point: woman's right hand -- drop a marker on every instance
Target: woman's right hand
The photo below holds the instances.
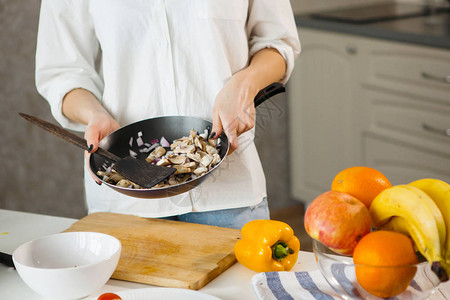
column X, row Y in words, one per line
column 82, row 106
column 100, row 125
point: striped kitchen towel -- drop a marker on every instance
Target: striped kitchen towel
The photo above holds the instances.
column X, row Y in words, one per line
column 312, row 285
column 292, row 286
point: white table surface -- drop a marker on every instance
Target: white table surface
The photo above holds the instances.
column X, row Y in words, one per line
column 17, row 228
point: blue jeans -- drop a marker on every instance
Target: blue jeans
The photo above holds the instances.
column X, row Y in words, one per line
column 231, row 218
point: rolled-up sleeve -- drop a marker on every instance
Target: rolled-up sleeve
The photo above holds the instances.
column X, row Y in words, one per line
column 65, row 55
column 271, row 24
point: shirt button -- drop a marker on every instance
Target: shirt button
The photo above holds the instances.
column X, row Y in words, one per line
column 164, row 44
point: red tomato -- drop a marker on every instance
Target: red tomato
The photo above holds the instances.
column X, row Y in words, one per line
column 109, row 296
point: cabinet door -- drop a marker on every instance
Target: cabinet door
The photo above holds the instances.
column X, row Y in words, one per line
column 362, row 101
column 321, row 113
column 416, row 71
column 403, row 163
column 406, row 100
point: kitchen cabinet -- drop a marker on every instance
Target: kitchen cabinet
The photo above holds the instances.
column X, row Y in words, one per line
column 355, row 100
column 321, row 113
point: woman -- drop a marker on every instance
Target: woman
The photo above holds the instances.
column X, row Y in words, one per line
column 103, row 64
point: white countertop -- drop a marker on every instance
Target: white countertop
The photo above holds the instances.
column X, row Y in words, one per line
column 17, row 228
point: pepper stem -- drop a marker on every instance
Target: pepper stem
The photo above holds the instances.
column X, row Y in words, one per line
column 280, row 250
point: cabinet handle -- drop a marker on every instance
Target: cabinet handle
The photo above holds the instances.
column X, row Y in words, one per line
column 429, row 128
column 445, row 79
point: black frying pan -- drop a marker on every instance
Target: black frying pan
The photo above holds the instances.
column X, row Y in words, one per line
column 171, row 128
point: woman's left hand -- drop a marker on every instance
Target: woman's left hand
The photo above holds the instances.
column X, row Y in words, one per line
column 234, row 109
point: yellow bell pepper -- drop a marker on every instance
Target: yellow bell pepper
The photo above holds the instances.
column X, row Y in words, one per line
column 267, row 245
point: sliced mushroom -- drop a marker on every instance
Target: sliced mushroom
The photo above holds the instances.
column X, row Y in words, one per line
column 159, row 151
column 198, row 143
column 163, row 162
column 175, row 144
column 194, row 156
column 156, row 153
column 186, row 149
column 216, row 159
column 200, row 170
column 180, row 142
column 192, row 134
column 177, row 159
column 191, row 164
column 211, row 150
column 201, row 153
column 116, row 177
column 124, row 183
column 181, row 169
column 186, row 143
column 104, row 174
column 213, row 142
column 173, row 180
column 206, row 160
column 135, row 186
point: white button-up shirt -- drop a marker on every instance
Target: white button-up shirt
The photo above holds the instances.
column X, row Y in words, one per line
column 148, row 58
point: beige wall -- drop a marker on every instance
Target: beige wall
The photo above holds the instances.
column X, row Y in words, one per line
column 38, row 172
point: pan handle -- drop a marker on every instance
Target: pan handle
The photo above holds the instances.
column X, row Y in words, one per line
column 268, row 92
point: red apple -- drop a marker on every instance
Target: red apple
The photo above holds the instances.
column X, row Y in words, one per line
column 338, row 221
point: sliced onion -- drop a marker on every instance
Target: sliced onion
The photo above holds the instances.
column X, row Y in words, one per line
column 164, row 142
column 132, row 153
column 204, row 135
column 153, row 146
column 139, row 142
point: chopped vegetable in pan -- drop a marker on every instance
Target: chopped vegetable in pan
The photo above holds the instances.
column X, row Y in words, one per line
column 192, row 156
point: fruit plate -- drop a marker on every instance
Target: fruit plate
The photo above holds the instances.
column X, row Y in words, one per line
column 161, row 293
column 339, row 272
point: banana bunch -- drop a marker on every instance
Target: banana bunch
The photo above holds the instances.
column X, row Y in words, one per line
column 420, row 210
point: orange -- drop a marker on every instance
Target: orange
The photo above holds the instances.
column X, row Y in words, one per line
column 384, row 263
column 363, row 183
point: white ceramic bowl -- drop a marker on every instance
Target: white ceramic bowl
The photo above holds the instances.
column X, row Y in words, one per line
column 68, row 265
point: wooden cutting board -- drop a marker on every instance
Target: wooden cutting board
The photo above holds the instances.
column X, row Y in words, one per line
column 165, row 253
